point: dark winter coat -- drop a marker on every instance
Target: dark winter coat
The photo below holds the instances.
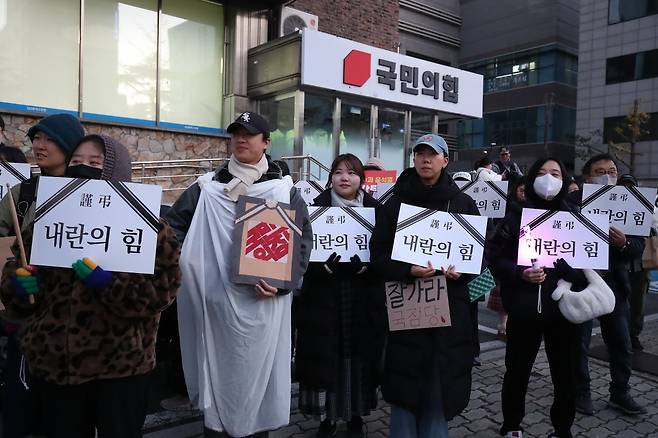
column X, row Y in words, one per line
column 407, row 368
column 321, row 314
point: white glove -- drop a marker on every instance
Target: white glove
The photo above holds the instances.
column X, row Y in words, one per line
column 595, row 300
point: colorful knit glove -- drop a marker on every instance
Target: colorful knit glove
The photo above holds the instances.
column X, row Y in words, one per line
column 91, row 274
column 25, row 281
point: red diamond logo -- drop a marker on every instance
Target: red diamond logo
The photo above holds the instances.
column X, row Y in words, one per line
column 356, row 68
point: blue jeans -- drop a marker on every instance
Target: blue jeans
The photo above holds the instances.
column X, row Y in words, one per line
column 616, row 336
column 430, row 423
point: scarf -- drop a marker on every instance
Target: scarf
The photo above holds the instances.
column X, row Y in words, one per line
column 338, row 201
column 244, row 175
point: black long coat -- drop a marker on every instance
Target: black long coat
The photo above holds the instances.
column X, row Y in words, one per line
column 321, row 314
column 409, row 353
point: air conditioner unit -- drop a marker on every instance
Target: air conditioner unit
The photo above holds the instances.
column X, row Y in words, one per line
column 293, row 20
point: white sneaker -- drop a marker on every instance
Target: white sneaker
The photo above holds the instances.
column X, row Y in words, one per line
column 514, row 434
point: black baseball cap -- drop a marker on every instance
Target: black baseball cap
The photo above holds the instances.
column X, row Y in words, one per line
column 252, row 122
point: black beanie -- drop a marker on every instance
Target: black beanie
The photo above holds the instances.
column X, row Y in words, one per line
column 64, row 129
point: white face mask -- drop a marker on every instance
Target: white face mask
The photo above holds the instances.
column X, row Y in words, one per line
column 547, row 186
column 604, row 180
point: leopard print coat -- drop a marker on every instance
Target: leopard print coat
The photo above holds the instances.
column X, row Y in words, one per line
column 73, row 335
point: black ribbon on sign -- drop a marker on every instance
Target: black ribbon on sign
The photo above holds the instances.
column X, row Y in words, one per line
column 468, row 186
column 597, row 194
column 644, row 201
column 539, row 220
column 11, row 169
column 316, row 185
column 386, row 195
column 58, row 197
column 424, row 214
column 317, row 213
column 591, row 226
column 136, row 204
column 360, row 219
column 497, row 189
column 470, row 229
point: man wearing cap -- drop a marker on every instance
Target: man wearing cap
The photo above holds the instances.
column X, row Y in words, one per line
column 52, row 140
column 427, row 373
column 235, row 339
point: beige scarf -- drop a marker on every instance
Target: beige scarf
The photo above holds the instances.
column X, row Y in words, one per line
column 244, row 175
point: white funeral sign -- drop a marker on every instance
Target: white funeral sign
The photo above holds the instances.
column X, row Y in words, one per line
column 310, row 189
column 489, row 196
column 115, row 224
column 345, row 231
column 383, row 192
column 579, row 238
column 12, row 174
column 423, row 235
column 342, row 65
column 628, row 208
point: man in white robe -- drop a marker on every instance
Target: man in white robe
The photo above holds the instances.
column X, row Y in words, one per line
column 235, row 339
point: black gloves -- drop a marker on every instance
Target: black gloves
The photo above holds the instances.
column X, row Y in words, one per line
column 574, row 276
column 354, row 266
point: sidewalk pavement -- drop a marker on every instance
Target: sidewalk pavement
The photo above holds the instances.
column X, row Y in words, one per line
column 482, row 417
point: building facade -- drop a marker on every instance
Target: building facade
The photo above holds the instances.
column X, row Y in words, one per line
column 618, row 66
column 527, row 53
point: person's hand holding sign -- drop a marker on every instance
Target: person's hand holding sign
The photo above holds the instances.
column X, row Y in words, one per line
column 617, row 237
column 532, row 275
column 422, row 272
column 264, row 290
column 450, row 273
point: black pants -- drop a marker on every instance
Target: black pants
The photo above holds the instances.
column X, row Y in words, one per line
column 116, row 408
column 639, row 288
column 476, row 331
column 561, row 340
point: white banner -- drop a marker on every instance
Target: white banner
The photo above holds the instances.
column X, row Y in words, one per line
column 628, row 209
column 345, row 66
column 310, row 189
column 489, row 196
column 423, row 235
column 345, row 231
column 580, row 239
column 114, row 224
column 12, row 174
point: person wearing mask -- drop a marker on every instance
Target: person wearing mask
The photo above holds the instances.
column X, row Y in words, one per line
column 427, row 373
column 504, row 166
column 532, row 313
column 94, row 359
column 338, row 351
column 602, row 169
column 235, row 338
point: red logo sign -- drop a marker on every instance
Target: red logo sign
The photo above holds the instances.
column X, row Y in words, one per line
column 356, row 68
column 267, row 241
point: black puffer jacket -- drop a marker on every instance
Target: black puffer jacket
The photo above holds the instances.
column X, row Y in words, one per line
column 329, row 306
column 407, row 368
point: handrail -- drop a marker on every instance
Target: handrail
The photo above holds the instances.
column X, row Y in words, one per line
column 309, row 159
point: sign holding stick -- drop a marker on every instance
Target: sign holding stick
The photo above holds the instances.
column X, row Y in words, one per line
column 17, row 232
column 345, row 231
column 547, row 235
column 417, row 305
column 489, row 196
column 442, row 238
column 113, row 223
column 12, row 174
column 628, row 208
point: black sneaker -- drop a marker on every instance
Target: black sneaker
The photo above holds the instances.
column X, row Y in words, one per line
column 327, row 429
column 355, row 428
column 584, row 403
column 635, row 344
column 625, row 403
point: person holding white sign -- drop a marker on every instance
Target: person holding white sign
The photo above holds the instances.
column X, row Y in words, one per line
column 427, row 373
column 602, row 169
column 235, row 338
column 90, row 336
column 532, row 314
column 337, row 345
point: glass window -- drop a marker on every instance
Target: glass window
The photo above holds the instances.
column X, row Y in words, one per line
column 39, row 54
column 610, row 123
column 355, row 130
column 318, row 127
column 620, row 69
column 391, row 137
column 191, row 47
column 119, row 59
column 279, row 111
column 624, row 10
